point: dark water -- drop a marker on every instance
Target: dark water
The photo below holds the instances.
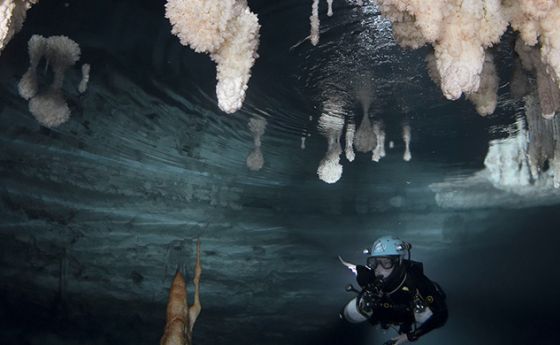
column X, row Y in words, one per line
column 97, row 214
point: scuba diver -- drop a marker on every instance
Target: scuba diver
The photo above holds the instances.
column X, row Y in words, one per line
column 395, row 291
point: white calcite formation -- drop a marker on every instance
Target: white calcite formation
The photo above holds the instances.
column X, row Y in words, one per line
column 49, row 106
column 460, row 32
column 537, row 23
column 12, row 16
column 28, row 85
column 379, row 150
column 229, row 32
column 507, row 161
column 314, row 20
column 407, row 156
column 331, row 124
column 485, row 98
column 520, row 170
column 349, row 142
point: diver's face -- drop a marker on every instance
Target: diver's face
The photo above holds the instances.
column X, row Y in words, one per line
column 383, row 266
column 383, row 261
column 384, row 270
column 386, row 263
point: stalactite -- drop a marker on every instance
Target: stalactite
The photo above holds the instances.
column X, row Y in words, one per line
column 28, row 85
column 349, row 141
column 330, row 169
column 331, row 124
column 85, row 78
column 379, row 151
column 407, row 156
column 255, row 159
column 329, row 10
column 314, row 19
column 459, row 62
column 229, row 32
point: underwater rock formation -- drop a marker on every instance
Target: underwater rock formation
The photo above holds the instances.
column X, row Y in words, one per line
column 49, row 106
column 12, row 16
column 180, row 316
column 229, row 32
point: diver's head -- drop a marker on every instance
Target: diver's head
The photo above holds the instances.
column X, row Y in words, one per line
column 386, row 255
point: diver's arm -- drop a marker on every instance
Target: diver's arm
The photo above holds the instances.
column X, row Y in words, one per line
column 435, row 299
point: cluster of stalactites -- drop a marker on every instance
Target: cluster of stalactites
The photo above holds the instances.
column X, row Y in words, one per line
column 370, row 137
column 12, row 16
column 229, row 32
column 314, row 18
column 530, row 156
column 49, row 106
column 255, row 159
column 462, row 66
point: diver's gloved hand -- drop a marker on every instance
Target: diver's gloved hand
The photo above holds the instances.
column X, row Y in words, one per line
column 364, row 275
column 367, row 302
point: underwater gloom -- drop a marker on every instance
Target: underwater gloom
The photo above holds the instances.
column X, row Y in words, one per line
column 289, row 172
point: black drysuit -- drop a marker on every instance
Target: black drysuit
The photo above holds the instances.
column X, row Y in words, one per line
column 394, row 300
